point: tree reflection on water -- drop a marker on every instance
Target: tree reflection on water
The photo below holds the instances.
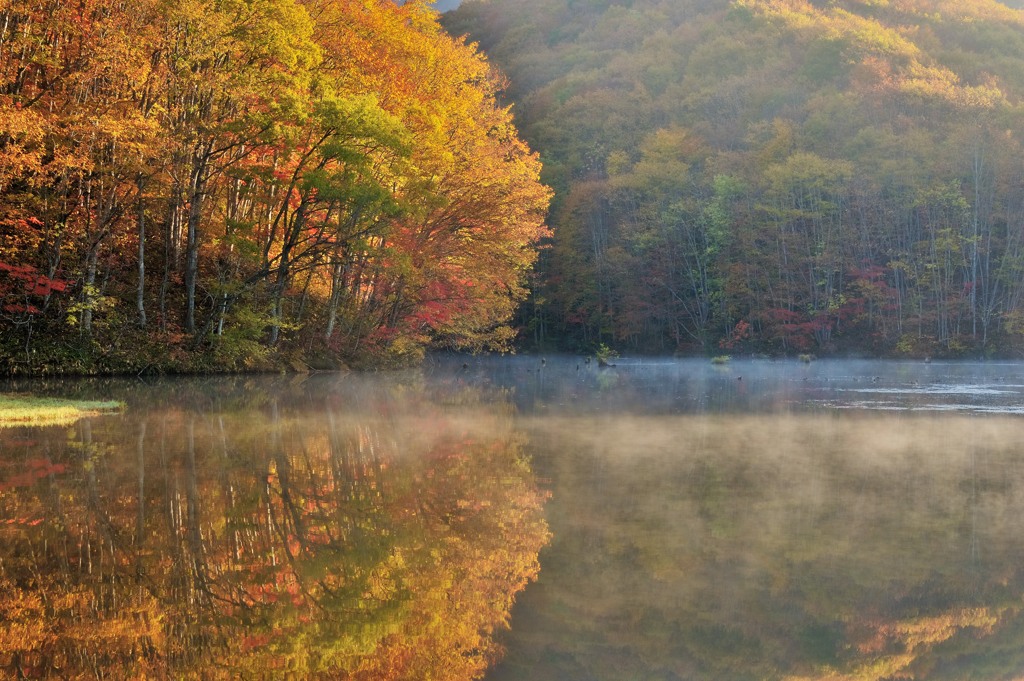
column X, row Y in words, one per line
column 704, row 527
column 776, row 546
column 376, row 535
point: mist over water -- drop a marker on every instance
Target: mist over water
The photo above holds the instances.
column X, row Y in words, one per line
column 757, row 520
column 572, row 385
column 773, row 520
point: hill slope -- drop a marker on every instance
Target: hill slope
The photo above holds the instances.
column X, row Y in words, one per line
column 772, row 175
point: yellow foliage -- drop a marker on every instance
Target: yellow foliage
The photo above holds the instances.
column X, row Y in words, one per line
column 911, row 637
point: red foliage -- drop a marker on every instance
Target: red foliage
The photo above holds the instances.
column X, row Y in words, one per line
column 36, row 470
column 255, row 641
column 740, row 333
column 793, row 328
column 14, row 308
column 18, row 271
column 25, row 280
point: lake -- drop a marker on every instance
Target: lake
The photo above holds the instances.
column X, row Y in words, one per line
column 513, row 519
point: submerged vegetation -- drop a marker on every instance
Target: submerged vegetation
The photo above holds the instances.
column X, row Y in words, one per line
column 18, row 410
column 772, row 176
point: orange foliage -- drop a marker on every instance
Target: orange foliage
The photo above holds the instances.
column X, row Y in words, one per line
column 344, row 154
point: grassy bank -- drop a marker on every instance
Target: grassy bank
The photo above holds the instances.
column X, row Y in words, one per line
column 46, row 411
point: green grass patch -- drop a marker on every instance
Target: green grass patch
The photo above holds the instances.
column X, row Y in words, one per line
column 16, row 410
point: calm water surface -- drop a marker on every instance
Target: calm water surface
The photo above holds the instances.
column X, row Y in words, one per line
column 658, row 520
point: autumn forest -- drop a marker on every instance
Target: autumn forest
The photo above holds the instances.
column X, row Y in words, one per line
column 223, row 185
column 207, row 185
column 772, row 176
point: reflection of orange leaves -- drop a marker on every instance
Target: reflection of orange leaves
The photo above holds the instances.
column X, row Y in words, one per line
column 892, row 646
column 474, row 505
column 37, row 469
column 255, row 641
column 445, row 608
column 263, row 593
column 294, row 547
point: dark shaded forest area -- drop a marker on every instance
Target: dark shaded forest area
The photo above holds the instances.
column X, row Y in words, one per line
column 772, row 176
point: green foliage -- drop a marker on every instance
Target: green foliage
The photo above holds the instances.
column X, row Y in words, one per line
column 91, row 302
column 605, row 355
column 240, row 345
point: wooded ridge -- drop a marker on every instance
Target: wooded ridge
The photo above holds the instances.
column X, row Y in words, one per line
column 772, row 176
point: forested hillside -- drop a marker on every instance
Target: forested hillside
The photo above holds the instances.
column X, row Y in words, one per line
column 772, row 175
column 234, row 184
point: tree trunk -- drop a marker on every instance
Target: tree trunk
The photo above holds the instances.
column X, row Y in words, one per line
column 140, row 300
column 336, row 287
column 89, row 289
column 171, row 233
column 197, row 191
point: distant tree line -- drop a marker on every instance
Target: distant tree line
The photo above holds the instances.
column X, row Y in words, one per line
column 777, row 177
